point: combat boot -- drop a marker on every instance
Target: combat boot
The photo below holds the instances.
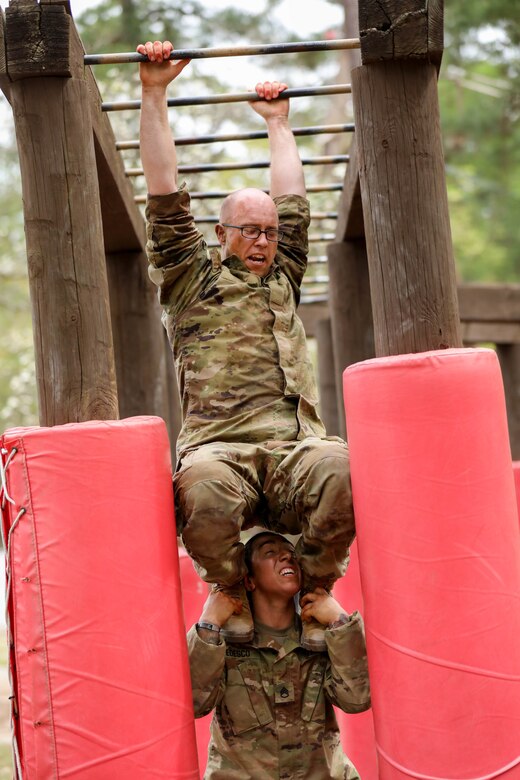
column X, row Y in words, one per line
column 239, row 627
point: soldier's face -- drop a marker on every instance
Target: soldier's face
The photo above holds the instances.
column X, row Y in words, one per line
column 257, row 254
column 274, row 567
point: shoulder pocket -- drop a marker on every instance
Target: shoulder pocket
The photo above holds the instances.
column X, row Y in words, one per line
column 245, row 698
column 313, row 701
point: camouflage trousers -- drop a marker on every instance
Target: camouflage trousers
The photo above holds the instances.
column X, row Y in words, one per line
column 289, row 487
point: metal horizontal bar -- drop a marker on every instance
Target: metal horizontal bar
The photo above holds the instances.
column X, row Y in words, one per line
column 315, row 280
column 333, row 187
column 313, row 239
column 254, row 136
column 237, row 97
column 313, row 299
column 318, row 260
column 214, row 218
column 228, row 51
column 332, row 159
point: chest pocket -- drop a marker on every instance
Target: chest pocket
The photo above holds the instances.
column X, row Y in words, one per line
column 245, row 699
column 313, row 701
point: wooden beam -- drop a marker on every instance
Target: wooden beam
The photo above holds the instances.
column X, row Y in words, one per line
column 38, row 40
column 350, row 310
column 489, row 302
column 490, row 332
column 405, row 207
column 327, row 378
column 138, row 337
column 401, row 29
column 350, row 223
column 123, row 223
column 509, row 357
column 67, row 273
column 4, row 78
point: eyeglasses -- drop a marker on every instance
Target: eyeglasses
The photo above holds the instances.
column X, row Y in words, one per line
column 249, row 231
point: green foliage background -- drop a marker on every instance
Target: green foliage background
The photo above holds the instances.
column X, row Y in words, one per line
column 479, row 91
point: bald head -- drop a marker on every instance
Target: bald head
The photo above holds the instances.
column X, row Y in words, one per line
column 245, row 200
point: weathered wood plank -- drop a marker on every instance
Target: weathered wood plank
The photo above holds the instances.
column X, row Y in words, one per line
column 38, row 39
column 5, row 85
column 350, row 210
column 490, row 332
column 138, row 337
column 489, row 302
column 473, row 332
column 123, row 224
column 350, row 310
column 401, row 29
column 327, row 378
column 405, row 207
column 509, row 357
column 67, row 273
column 64, row 3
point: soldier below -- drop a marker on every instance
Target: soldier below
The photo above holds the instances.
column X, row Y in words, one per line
column 252, row 445
column 273, row 699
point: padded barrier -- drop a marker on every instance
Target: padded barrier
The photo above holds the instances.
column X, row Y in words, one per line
column 357, row 731
column 516, row 472
column 439, row 549
column 100, row 664
column 194, row 594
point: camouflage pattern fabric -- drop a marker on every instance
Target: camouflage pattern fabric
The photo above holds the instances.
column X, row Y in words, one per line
column 239, row 347
column 273, row 702
column 289, row 487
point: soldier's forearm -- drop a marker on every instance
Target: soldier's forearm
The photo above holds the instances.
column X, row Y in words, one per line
column 287, row 176
column 158, row 154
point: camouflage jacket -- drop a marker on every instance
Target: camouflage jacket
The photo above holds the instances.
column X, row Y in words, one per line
column 273, row 703
column 239, row 347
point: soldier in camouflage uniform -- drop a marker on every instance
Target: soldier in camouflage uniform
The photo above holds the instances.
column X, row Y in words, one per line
column 273, row 699
column 252, row 446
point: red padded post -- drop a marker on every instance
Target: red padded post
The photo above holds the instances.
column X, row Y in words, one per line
column 194, row 594
column 439, row 549
column 516, row 472
column 99, row 659
column 357, row 731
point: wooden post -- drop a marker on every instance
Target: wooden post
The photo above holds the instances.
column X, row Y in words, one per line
column 327, row 378
column 351, row 314
column 401, row 169
column 67, row 274
column 138, row 337
column 509, row 356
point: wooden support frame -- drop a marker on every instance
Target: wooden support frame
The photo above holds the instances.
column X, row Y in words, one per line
column 107, row 231
column 67, row 274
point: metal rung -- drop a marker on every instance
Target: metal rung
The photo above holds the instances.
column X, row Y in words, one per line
column 255, row 136
column 214, row 219
column 238, row 97
column 333, row 187
column 333, row 159
column 313, row 299
column 228, row 51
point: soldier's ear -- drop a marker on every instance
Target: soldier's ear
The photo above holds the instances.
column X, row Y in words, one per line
column 221, row 234
column 249, row 583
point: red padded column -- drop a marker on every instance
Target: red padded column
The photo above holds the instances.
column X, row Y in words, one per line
column 100, row 658
column 439, row 548
column 516, row 472
column 194, row 594
column 357, row 731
